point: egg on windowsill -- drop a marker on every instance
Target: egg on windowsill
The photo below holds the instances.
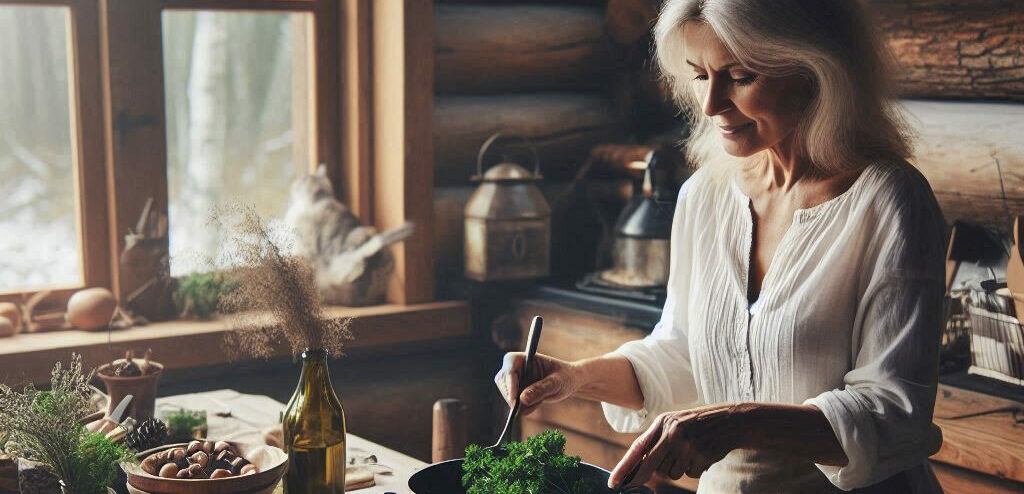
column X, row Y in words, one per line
column 7, row 328
column 13, row 314
column 91, row 309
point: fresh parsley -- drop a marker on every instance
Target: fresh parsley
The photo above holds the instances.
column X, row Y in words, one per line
column 538, row 465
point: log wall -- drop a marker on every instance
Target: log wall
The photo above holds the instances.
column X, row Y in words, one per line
column 957, row 49
column 489, row 49
column 562, row 125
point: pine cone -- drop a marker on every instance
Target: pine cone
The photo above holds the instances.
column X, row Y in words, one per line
column 149, row 434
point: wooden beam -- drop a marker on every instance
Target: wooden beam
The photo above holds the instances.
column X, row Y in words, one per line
column 956, row 49
column 963, row 149
column 356, row 101
column 87, row 105
column 500, row 48
column 281, row 5
column 136, row 147
column 563, row 126
column 403, row 76
column 326, row 96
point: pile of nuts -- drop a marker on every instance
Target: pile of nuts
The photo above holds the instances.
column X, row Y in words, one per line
column 199, row 460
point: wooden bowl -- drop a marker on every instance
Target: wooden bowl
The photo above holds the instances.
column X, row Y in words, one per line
column 272, row 462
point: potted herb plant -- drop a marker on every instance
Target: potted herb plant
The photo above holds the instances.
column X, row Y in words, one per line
column 45, row 427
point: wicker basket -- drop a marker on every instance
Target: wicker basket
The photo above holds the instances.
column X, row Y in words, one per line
column 997, row 345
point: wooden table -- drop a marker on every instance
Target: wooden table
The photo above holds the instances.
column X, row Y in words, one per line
column 242, row 417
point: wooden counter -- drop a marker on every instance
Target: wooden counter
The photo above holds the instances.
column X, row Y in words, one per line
column 983, row 448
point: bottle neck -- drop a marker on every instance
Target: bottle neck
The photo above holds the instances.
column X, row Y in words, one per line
column 314, row 369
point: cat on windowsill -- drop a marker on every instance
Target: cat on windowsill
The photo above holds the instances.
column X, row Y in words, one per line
column 352, row 261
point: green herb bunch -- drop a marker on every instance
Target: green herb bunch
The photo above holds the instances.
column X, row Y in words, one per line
column 198, row 295
column 182, row 423
column 43, row 426
column 538, row 465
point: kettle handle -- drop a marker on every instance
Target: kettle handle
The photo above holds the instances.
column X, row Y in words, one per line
column 501, row 134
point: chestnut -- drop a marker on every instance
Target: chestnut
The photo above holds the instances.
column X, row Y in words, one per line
column 237, row 464
column 220, row 473
column 250, row 469
column 184, row 474
column 207, row 447
column 162, row 456
column 193, row 447
column 151, row 465
column 169, row 471
column 219, row 464
column 221, row 446
column 225, row 455
column 200, row 458
column 177, row 454
column 196, row 472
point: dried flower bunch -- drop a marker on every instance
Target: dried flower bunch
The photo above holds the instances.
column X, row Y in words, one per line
column 271, row 281
column 44, row 426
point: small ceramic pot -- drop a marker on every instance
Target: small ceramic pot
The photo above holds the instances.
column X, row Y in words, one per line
column 142, row 388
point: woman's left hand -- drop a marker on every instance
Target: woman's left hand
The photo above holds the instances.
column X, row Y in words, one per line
column 683, row 442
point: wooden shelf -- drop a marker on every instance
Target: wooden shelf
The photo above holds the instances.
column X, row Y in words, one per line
column 181, row 344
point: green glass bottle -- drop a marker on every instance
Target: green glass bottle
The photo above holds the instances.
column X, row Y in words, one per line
column 314, row 432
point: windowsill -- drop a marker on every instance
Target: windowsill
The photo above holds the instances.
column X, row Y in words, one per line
column 183, row 344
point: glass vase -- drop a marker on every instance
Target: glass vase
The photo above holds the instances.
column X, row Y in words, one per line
column 314, row 431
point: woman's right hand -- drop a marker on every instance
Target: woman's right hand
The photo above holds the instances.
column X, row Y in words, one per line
column 553, row 380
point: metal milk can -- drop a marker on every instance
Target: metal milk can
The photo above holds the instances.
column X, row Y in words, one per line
column 507, row 221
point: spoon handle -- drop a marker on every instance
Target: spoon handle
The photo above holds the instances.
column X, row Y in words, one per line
column 531, row 351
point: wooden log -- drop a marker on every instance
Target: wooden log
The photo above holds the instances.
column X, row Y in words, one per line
column 495, row 49
column 628, row 21
column 963, row 148
column 449, row 435
column 951, row 48
column 563, row 127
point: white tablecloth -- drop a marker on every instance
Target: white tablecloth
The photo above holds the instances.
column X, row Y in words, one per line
column 234, row 416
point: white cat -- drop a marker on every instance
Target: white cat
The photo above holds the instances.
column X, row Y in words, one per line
column 351, row 260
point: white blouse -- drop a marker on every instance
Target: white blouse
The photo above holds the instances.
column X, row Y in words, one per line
column 848, row 319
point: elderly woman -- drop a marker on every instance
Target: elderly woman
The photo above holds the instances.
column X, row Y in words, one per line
column 798, row 347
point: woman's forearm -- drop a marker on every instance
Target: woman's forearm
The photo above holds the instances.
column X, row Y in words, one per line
column 610, row 379
column 800, row 431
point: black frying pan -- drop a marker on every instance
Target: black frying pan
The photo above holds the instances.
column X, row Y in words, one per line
column 446, row 477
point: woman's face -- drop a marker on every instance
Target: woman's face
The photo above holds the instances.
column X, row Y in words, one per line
column 751, row 112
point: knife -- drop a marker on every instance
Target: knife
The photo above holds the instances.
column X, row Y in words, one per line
column 115, row 417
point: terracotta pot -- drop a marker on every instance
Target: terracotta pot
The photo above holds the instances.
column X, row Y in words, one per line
column 142, row 388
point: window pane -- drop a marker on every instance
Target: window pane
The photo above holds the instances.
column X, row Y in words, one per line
column 237, row 87
column 39, row 239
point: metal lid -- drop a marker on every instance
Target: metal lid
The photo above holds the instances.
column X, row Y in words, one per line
column 508, row 171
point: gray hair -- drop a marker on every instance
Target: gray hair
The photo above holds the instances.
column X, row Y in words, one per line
column 851, row 118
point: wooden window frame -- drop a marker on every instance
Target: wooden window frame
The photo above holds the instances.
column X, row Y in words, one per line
column 87, row 141
column 373, row 80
